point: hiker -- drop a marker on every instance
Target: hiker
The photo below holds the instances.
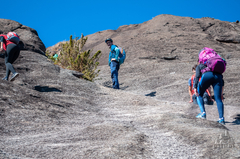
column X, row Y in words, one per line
column 211, row 72
column 207, row 97
column 113, row 62
column 10, row 51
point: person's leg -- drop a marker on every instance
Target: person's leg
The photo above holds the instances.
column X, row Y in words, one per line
column 217, row 88
column 117, row 67
column 205, row 82
column 11, row 55
column 200, row 103
column 194, row 99
column 6, row 64
column 114, row 74
column 112, row 71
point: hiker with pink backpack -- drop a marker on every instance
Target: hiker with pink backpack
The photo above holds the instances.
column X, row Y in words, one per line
column 210, row 69
column 10, row 51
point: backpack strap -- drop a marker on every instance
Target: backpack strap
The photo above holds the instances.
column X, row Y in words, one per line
column 192, row 78
column 113, row 51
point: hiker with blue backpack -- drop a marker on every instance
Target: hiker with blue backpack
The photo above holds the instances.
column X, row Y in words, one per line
column 210, row 69
column 116, row 58
column 10, row 51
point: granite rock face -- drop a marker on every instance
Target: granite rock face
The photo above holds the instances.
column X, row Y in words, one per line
column 29, row 39
column 150, row 44
column 47, row 112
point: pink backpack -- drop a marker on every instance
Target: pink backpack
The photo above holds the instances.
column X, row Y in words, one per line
column 13, row 37
column 212, row 60
column 205, row 54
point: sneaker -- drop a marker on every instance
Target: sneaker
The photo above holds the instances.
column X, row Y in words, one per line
column 14, row 76
column 221, row 121
column 201, row 115
column 5, row 79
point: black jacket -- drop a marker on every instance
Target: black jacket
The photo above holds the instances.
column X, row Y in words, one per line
column 198, row 74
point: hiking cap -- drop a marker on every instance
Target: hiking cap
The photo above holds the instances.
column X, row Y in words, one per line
column 108, row 39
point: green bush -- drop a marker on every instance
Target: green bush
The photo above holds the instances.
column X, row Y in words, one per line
column 50, row 57
column 73, row 57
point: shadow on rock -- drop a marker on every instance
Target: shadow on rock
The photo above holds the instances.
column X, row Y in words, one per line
column 123, row 88
column 237, row 120
column 152, row 94
column 46, row 89
column 107, row 84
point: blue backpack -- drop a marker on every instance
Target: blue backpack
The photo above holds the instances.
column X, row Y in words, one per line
column 122, row 55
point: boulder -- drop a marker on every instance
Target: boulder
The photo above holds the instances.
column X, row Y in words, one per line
column 29, row 39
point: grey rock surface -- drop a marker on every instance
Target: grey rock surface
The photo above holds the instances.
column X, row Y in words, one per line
column 47, row 112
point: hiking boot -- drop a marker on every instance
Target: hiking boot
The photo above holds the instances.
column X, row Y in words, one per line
column 221, row 121
column 5, row 79
column 14, row 76
column 201, row 115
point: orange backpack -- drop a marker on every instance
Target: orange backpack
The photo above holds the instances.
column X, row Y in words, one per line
column 192, row 78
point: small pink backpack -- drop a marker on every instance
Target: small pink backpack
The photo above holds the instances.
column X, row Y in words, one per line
column 213, row 61
column 205, row 54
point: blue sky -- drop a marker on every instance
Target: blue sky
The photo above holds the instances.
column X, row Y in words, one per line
column 56, row 20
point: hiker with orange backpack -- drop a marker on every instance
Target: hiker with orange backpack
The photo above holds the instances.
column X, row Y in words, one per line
column 10, row 51
column 207, row 97
column 210, row 69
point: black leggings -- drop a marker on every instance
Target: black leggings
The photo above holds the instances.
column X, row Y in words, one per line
column 11, row 56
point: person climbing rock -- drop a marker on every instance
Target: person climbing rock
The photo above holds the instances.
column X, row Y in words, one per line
column 210, row 75
column 113, row 62
column 10, row 51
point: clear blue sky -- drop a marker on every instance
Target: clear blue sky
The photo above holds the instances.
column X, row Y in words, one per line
column 56, row 20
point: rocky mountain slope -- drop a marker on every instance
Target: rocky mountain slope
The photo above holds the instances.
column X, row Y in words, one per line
column 49, row 113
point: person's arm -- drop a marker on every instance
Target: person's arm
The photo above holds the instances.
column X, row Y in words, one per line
column 190, row 93
column 1, row 39
column 222, row 93
column 1, row 47
column 117, row 53
column 197, row 76
column 2, row 52
column 190, row 87
column 1, row 43
column 109, row 58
